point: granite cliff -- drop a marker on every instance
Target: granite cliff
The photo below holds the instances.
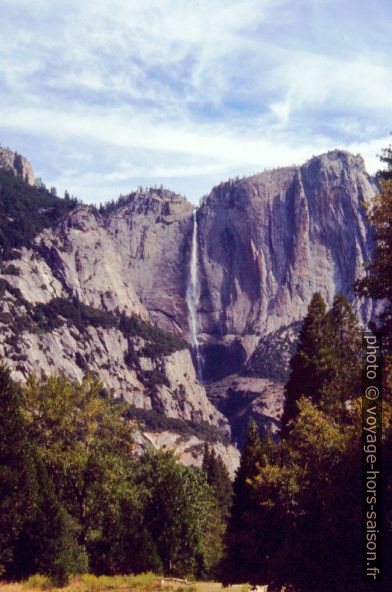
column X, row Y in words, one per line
column 18, row 164
column 264, row 245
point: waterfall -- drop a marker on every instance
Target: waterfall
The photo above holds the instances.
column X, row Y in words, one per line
column 192, row 297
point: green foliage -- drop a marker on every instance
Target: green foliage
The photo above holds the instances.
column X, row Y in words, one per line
column 18, row 481
column 54, row 313
column 44, row 317
column 242, row 562
column 36, row 533
column 25, row 211
column 378, row 282
column 343, row 382
column 78, row 497
column 159, row 342
column 309, row 365
column 219, row 479
column 296, row 502
column 38, row 581
column 181, row 514
column 49, row 543
column 327, row 364
column 152, row 378
column 118, row 582
column 305, row 497
column 5, row 286
column 311, row 496
column 10, row 269
column 84, row 441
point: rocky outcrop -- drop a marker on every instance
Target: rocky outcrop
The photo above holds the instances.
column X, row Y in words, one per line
column 164, row 383
column 266, row 243
column 242, row 398
column 18, row 164
column 152, row 233
column 133, row 258
column 271, row 357
column 190, row 449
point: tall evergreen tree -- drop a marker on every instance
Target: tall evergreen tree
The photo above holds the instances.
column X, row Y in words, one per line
column 301, row 492
column 243, row 561
column 343, row 381
column 219, row 479
column 48, row 543
column 310, row 366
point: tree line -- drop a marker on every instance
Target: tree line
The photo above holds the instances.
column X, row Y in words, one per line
column 75, row 496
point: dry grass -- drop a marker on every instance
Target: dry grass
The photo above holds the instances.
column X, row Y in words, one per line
column 141, row 583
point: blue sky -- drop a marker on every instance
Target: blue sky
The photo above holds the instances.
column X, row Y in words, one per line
column 106, row 95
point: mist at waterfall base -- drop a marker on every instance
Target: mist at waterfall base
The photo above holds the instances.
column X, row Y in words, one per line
column 212, row 361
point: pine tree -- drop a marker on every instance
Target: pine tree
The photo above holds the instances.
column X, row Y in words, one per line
column 308, row 548
column 219, row 479
column 244, row 540
column 310, row 366
column 48, row 543
column 344, row 354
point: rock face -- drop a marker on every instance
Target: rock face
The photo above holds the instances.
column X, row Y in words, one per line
column 103, row 352
column 242, row 398
column 190, row 449
column 270, row 241
column 271, row 357
column 19, row 165
column 265, row 245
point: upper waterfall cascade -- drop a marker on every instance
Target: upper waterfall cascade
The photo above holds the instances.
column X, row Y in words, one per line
column 192, row 296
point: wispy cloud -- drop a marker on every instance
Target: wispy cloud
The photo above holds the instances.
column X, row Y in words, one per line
column 105, row 95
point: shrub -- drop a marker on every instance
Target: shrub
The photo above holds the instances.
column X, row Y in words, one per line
column 38, row 581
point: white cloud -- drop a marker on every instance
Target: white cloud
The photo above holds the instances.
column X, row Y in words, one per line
column 175, row 90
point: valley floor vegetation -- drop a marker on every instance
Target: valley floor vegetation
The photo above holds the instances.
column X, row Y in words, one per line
column 147, row 582
column 76, row 498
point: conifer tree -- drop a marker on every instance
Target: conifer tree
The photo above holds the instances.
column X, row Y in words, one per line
column 48, row 543
column 181, row 514
column 219, row 479
column 310, row 366
column 343, row 381
column 244, row 539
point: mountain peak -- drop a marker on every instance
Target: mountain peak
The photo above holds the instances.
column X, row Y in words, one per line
column 153, row 200
column 17, row 164
column 338, row 157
